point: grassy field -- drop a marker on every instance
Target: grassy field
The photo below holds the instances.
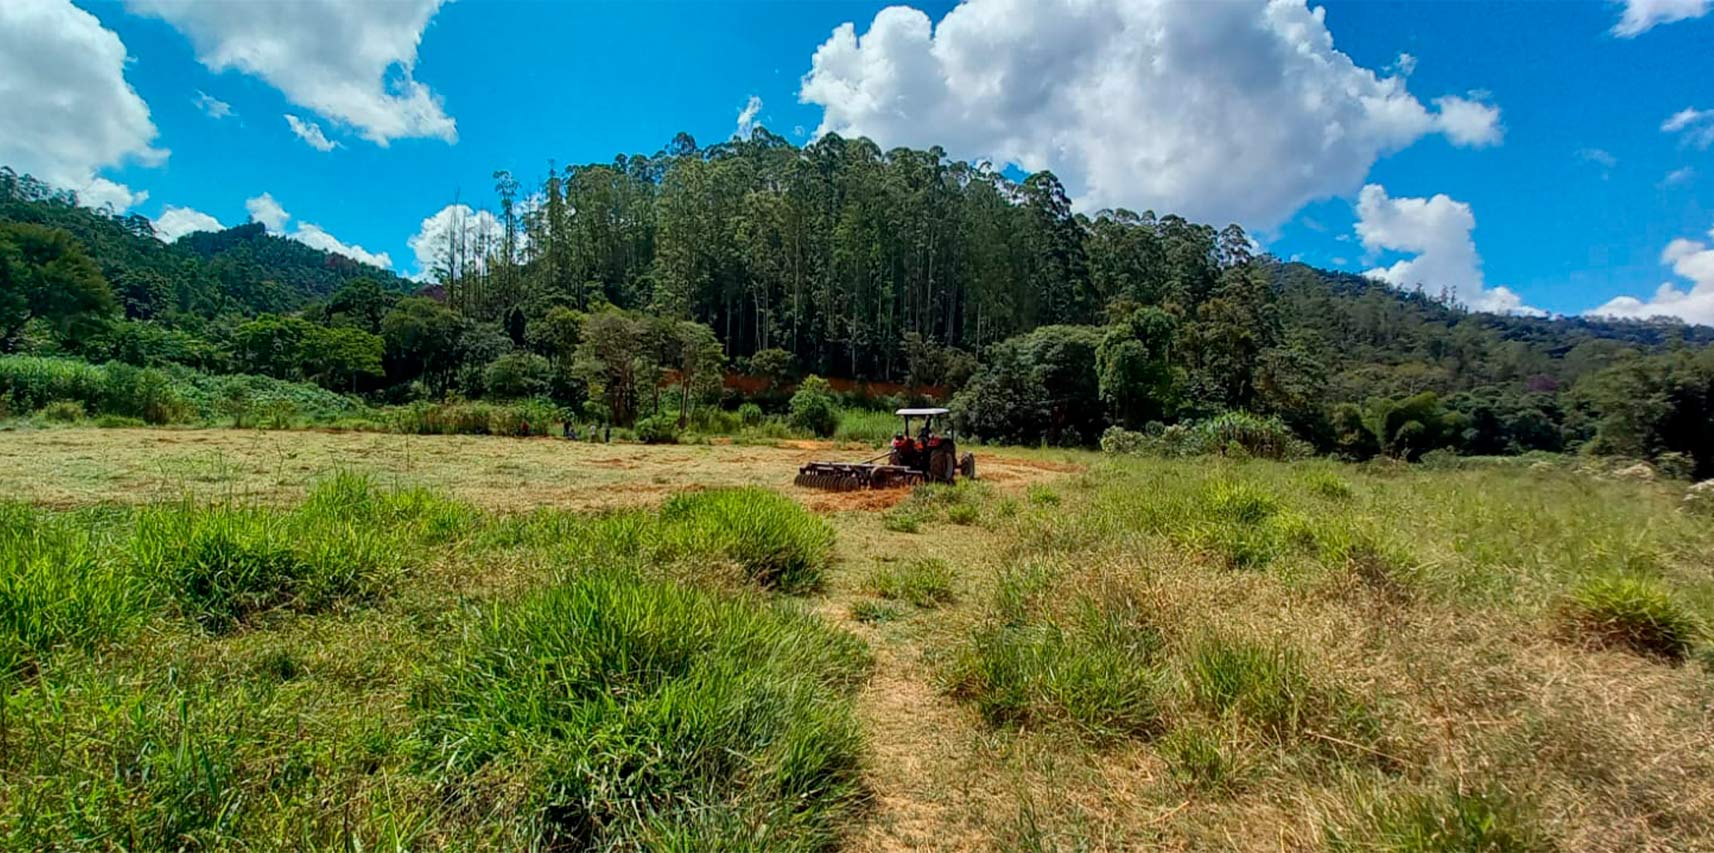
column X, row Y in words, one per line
column 219, row 639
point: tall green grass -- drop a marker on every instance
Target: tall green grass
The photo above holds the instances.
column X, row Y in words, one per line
column 60, row 588
column 779, row 544
column 644, row 714
column 866, row 425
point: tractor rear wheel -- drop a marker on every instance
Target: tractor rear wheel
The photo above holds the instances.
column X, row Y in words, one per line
column 940, row 465
column 967, row 466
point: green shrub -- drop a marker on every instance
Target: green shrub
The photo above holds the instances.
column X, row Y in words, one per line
column 660, row 429
column 59, row 589
column 779, row 544
column 650, row 715
column 814, row 409
column 1118, row 440
column 1450, row 820
column 924, row 582
column 118, row 422
column 63, row 411
column 1633, row 613
column 750, row 415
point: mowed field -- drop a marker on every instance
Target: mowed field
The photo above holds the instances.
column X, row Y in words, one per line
column 552, row 644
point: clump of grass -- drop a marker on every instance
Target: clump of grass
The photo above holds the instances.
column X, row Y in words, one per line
column 1266, row 687
column 1449, row 820
column 903, row 518
column 925, row 582
column 1042, row 495
column 59, row 589
column 1326, row 484
column 871, row 612
column 1198, row 759
column 1634, row 613
column 1094, row 672
column 1239, row 502
column 962, row 514
column 647, row 714
column 779, row 544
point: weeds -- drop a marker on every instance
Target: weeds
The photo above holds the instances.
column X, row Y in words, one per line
column 1449, row 820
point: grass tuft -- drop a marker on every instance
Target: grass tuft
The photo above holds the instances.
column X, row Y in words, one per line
column 779, row 544
column 925, row 582
column 1490, row 820
column 1633, row 613
column 648, row 714
column 59, row 589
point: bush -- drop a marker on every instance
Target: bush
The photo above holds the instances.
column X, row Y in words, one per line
column 925, row 582
column 650, row 715
column 63, row 411
column 517, row 375
column 1699, row 499
column 813, row 408
column 750, row 415
column 1632, row 613
column 779, row 544
column 1119, row 440
column 660, row 429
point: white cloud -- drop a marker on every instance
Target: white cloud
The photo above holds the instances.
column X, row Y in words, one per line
column 266, row 210
column 1437, row 232
column 351, row 63
column 101, row 193
column 215, row 107
column 175, row 222
column 1640, row 16
column 273, row 216
column 1218, row 111
column 66, row 111
column 1677, row 177
column 1404, row 65
column 1696, row 125
column 310, row 133
column 1470, row 123
column 1599, row 156
column 315, row 238
column 453, row 224
column 1690, row 259
column 747, row 116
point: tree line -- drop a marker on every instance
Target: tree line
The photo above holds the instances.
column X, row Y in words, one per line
column 598, row 283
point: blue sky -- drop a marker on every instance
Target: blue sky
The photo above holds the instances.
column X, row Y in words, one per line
column 1560, row 159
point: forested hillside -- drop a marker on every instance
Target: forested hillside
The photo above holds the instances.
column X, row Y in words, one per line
column 598, row 283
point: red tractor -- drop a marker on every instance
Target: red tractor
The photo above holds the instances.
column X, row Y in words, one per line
column 925, row 457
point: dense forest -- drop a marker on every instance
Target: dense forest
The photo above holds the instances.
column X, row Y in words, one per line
column 600, row 285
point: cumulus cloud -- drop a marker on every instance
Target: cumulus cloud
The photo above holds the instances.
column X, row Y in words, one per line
column 101, row 193
column 266, row 210
column 314, row 237
column 747, row 116
column 455, row 224
column 273, row 216
column 1224, row 111
column 175, row 222
column 214, row 107
column 350, row 63
column 1696, row 125
column 66, row 111
column 1692, row 260
column 1640, row 16
column 310, row 133
column 1436, row 231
